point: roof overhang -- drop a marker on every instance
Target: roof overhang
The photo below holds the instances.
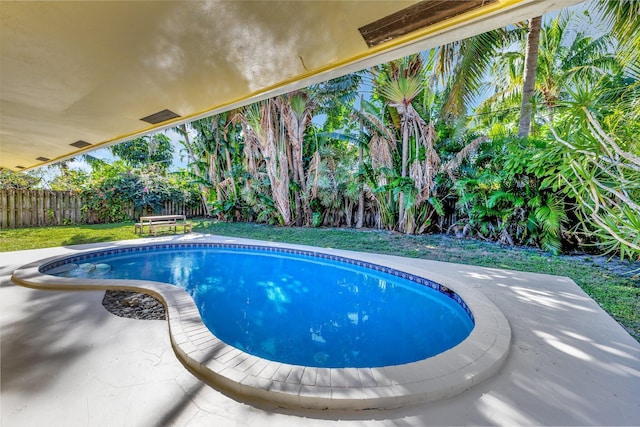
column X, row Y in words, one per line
column 79, row 75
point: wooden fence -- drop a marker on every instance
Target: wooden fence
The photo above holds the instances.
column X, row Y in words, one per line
column 37, row 208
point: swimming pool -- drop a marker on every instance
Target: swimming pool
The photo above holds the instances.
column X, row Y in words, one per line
column 250, row 377
column 293, row 307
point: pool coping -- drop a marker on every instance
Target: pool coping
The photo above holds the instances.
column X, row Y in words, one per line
column 251, row 378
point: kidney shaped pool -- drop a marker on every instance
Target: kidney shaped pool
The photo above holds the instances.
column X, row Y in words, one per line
column 295, row 308
column 302, row 327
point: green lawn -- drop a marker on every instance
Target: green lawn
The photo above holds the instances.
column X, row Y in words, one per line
column 48, row 237
column 618, row 294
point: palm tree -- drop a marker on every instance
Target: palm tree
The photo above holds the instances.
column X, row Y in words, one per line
column 265, row 133
column 624, row 18
column 570, row 57
column 213, row 154
column 462, row 65
column 297, row 112
column 404, row 81
column 529, row 81
column 565, row 58
column 379, row 136
column 337, row 98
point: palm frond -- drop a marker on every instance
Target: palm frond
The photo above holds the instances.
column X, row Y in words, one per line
column 465, row 64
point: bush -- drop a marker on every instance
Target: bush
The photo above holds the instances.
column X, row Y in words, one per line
column 118, row 192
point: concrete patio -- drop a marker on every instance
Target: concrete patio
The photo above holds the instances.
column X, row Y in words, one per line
column 66, row 361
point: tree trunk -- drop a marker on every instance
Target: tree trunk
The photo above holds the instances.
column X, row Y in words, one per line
column 275, row 154
column 360, row 217
column 296, row 138
column 230, row 171
column 530, row 69
column 403, row 174
column 298, row 203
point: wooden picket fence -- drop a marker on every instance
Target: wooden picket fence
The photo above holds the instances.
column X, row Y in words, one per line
column 38, row 208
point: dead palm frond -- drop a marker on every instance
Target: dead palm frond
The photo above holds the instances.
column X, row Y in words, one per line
column 264, row 128
column 453, row 165
column 313, row 175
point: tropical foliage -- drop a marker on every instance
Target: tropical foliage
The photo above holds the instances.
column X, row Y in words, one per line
column 137, row 183
column 139, row 179
column 114, row 188
column 392, row 147
column 17, row 181
column 456, row 140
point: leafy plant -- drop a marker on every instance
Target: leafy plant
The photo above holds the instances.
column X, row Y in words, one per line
column 18, row 181
column 503, row 193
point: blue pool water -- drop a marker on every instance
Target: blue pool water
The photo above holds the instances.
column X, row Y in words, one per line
column 300, row 309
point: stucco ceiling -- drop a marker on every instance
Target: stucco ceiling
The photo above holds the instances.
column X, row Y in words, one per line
column 90, row 71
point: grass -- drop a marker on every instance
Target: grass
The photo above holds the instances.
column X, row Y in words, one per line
column 617, row 294
column 47, row 237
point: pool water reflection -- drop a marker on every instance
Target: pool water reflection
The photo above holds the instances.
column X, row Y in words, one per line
column 300, row 309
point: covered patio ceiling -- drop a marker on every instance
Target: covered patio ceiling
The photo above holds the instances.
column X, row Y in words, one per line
column 75, row 76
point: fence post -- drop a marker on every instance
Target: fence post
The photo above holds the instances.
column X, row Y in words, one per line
column 66, row 211
column 3, row 209
column 12, row 209
column 33, row 202
column 26, row 208
column 58, row 208
column 18, row 209
column 39, row 208
column 77, row 206
column 46, row 207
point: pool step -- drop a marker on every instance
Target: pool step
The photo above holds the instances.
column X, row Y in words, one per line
column 63, row 268
column 72, row 269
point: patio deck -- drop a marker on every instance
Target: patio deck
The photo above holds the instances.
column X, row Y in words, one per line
column 66, row 361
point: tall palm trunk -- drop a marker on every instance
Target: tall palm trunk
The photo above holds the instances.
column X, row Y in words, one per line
column 530, row 69
column 296, row 129
column 360, row 216
column 404, row 167
column 297, row 111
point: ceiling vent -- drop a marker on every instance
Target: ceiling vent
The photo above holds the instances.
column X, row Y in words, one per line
column 80, row 144
column 415, row 17
column 160, row 116
column 42, row 159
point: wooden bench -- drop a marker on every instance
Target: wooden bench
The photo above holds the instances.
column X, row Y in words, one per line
column 159, row 222
column 154, row 226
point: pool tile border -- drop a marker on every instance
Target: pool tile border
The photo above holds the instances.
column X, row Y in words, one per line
column 254, row 379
